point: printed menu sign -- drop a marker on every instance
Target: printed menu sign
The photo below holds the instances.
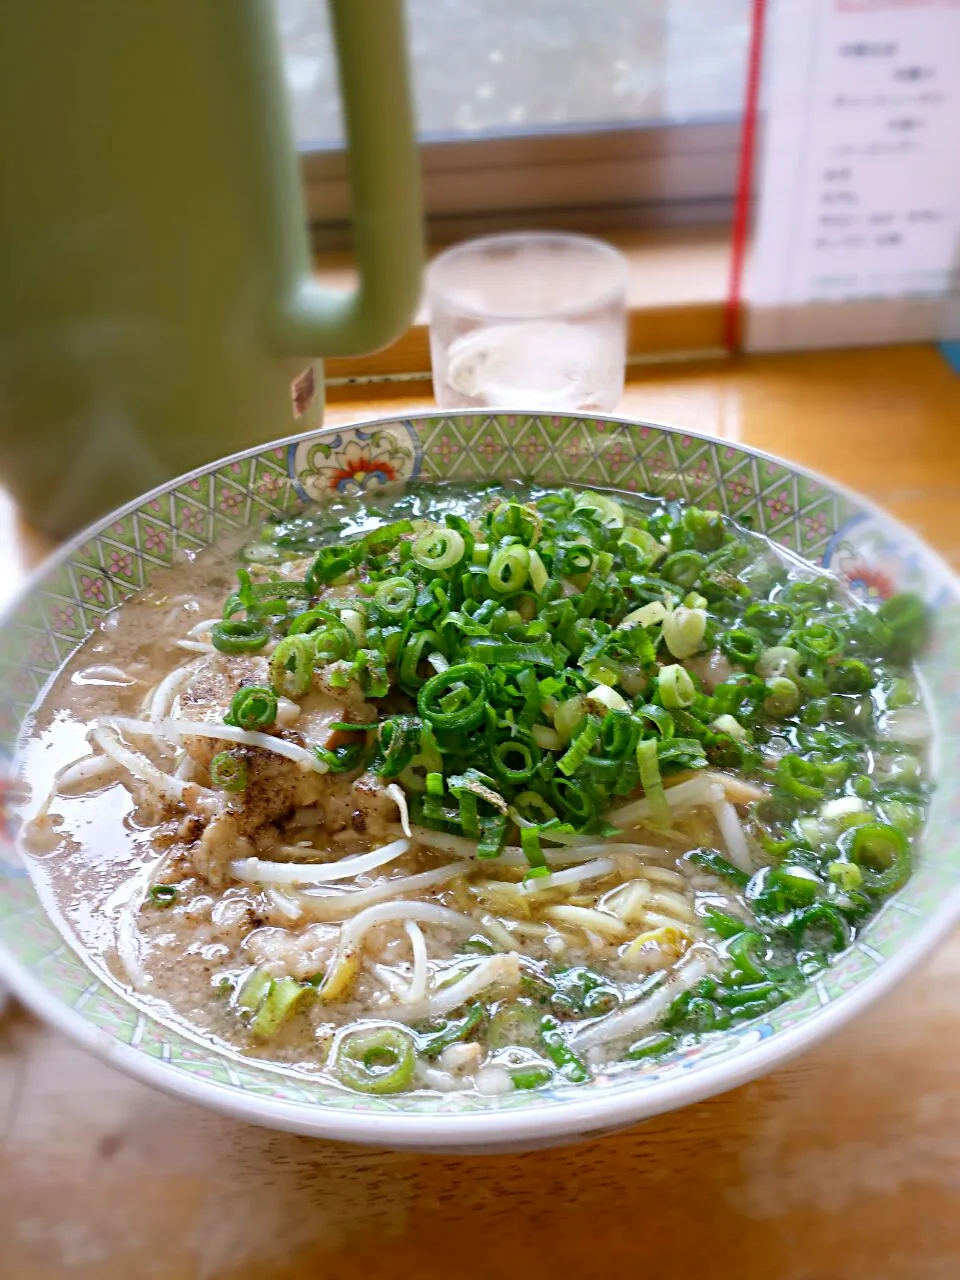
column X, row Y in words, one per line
column 857, row 229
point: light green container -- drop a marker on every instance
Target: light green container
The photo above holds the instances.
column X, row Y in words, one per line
column 157, row 308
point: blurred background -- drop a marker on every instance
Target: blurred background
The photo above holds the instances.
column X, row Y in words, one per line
column 517, row 66
column 572, row 115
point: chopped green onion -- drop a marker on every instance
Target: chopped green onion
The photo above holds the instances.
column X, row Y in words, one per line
column 343, row 758
column 291, row 666
column 530, row 844
column 509, row 569
column 783, row 697
column 333, row 642
column 659, row 717
column 377, row 541
column 239, row 637
column 546, row 738
column 803, row 779
column 311, row 620
column 652, row 783
column 607, row 507
column 781, row 660
column 163, row 895
column 515, row 1023
column 648, row 615
column 538, row 573
column 547, row 659
column 370, row 667
column 717, row 865
column 683, row 568
column 331, row 563
column 824, row 918
column 455, row 698
column 439, row 549
column 805, row 594
column 516, row 760
column 796, row 885
column 906, row 817
column 560, row 1054
column 731, row 726
column 742, row 645
column 530, row 1077
column 675, row 687
column 817, row 640
column 684, row 630
column 493, row 832
column 850, row 676
column 883, row 855
column 569, row 716
column 576, row 560
column 356, row 623
column 644, row 542
column 705, row 527
column 744, row 950
column 478, row 784
column 573, row 801
column 469, row 812
column 228, row 771
column 580, row 747
column 252, row 990
column 770, row 619
column 282, row 997
column 530, row 806
column 902, row 609
column 726, row 926
column 847, row 875
column 652, row 1046
column 901, row 693
column 413, row 653
column 908, row 619
column 686, row 753
column 254, row 706
column 433, row 1044
column 378, row 1061
column 399, row 738
column 843, row 812
column 602, row 698
column 516, row 520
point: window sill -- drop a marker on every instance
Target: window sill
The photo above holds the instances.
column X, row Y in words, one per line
column 676, row 293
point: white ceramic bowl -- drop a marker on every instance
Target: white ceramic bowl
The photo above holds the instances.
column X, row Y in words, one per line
column 107, row 563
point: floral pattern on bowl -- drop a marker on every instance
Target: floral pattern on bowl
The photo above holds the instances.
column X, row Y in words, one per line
column 111, row 561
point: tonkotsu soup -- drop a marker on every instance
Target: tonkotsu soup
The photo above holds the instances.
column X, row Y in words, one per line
column 478, row 788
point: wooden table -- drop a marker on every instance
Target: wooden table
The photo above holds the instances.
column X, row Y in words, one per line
column 845, row 1164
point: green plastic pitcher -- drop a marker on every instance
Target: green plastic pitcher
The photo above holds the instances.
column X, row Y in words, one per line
column 157, row 307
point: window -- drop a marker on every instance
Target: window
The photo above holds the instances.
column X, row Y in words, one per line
column 591, row 114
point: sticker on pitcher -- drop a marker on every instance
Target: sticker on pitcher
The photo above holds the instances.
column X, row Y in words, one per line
column 303, row 391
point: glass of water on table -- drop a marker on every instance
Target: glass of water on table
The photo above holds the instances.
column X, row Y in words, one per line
column 532, row 320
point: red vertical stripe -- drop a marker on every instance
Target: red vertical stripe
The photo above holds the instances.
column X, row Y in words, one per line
column 733, row 314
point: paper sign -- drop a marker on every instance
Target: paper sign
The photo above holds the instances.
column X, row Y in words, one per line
column 857, row 232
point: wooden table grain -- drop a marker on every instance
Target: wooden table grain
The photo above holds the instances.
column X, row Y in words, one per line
column 844, row 1165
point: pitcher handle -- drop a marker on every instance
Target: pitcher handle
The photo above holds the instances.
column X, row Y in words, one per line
column 384, row 176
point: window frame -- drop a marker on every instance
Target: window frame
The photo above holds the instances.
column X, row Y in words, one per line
column 585, row 179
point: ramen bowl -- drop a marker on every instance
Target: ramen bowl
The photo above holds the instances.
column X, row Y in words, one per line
column 96, row 572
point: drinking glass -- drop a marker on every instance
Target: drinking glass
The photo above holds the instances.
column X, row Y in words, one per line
column 532, row 320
